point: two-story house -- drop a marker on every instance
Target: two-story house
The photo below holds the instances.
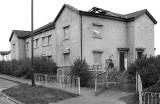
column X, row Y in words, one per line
column 96, row 35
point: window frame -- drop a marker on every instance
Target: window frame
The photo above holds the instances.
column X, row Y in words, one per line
column 14, row 47
column 97, row 28
column 66, row 34
column 100, row 58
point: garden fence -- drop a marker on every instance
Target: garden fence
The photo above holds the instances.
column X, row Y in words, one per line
column 150, row 98
column 63, row 82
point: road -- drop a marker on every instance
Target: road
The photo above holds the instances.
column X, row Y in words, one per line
column 3, row 85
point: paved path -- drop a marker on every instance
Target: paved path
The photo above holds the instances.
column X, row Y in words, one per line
column 87, row 95
column 3, row 85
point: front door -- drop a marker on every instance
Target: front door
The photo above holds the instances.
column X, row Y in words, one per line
column 121, row 61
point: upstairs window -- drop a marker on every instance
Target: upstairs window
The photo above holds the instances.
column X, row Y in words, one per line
column 27, row 49
column 43, row 41
column 97, row 31
column 49, row 39
column 66, row 30
column 27, row 46
column 36, row 44
column 13, row 46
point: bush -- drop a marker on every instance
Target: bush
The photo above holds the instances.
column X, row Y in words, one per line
column 148, row 68
column 43, row 65
column 80, row 68
column 114, row 75
column 22, row 68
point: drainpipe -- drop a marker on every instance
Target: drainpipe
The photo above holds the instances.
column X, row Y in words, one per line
column 81, row 35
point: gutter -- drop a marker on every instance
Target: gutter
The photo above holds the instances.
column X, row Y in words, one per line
column 81, row 35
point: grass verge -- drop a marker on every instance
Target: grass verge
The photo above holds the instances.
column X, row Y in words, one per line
column 28, row 94
column 130, row 99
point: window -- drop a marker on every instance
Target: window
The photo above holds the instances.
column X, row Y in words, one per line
column 97, row 31
column 66, row 32
column 49, row 58
column 27, row 45
column 13, row 46
column 36, row 44
column 27, row 49
column 139, row 54
column 43, row 41
column 97, row 57
column 66, row 58
column 49, row 39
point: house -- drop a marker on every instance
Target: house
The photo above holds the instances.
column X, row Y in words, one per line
column 5, row 55
column 96, row 35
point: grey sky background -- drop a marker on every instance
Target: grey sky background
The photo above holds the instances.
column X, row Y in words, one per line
column 16, row 14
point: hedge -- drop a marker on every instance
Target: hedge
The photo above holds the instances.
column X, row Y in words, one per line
column 22, row 68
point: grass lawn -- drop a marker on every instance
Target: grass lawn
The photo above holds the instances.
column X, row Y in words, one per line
column 28, row 94
column 131, row 99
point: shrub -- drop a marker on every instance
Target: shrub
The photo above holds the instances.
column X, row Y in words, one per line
column 114, row 75
column 80, row 69
column 43, row 65
column 22, row 68
column 148, row 68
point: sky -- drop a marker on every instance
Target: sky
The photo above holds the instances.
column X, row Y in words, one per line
column 16, row 14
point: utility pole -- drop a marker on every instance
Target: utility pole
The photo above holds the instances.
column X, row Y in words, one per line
column 32, row 54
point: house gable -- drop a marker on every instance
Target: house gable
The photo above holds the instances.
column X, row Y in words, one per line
column 62, row 9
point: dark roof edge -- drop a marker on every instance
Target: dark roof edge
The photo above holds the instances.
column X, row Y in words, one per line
column 38, row 32
column 151, row 17
column 11, row 37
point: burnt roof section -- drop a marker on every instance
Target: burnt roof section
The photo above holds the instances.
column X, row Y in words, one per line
column 20, row 34
column 94, row 12
column 99, row 12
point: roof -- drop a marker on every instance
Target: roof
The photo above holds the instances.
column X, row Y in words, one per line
column 20, row 34
column 5, row 52
column 94, row 12
column 99, row 12
column 69, row 7
column 139, row 13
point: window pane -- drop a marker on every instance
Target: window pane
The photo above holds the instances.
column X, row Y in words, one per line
column 66, row 59
column 66, row 32
column 97, row 31
column 97, row 57
column 49, row 39
column 43, row 41
column 139, row 54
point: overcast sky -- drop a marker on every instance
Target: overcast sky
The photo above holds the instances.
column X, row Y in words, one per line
column 15, row 14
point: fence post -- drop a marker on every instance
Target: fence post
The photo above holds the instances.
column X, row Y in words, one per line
column 136, row 81
column 79, row 85
column 45, row 79
column 95, row 89
column 35, row 77
column 60, row 82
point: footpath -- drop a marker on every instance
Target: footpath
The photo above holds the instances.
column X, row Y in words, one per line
column 86, row 96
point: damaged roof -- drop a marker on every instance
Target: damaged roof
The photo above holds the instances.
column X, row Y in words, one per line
column 94, row 12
